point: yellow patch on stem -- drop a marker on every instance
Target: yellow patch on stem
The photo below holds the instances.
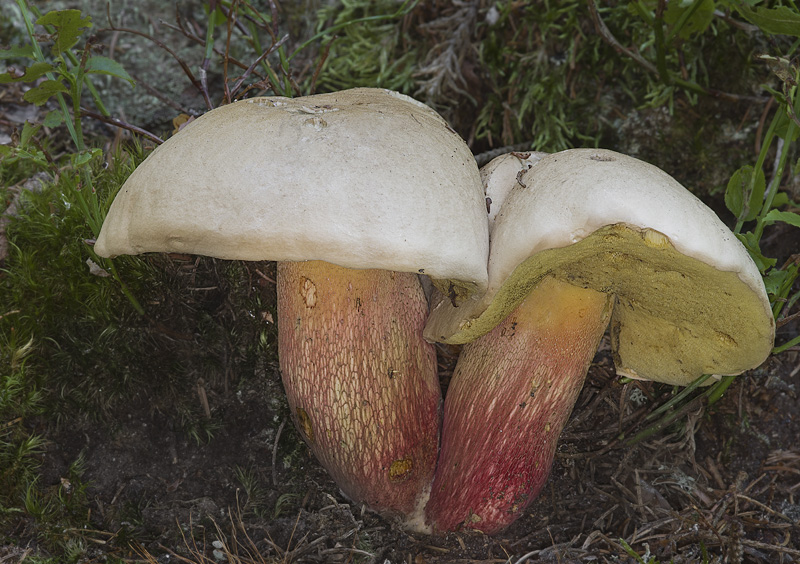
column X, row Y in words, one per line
column 401, row 469
column 305, row 425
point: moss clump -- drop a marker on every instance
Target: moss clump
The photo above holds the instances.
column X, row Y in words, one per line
column 74, row 349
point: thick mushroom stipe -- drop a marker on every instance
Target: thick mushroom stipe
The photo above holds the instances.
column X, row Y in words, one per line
column 510, row 396
column 360, row 379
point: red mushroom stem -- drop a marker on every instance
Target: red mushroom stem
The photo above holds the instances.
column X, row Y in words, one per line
column 360, row 379
column 510, row 396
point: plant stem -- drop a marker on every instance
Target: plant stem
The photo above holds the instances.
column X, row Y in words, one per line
column 37, row 50
column 715, row 392
column 131, row 298
column 762, row 156
column 787, row 345
column 664, row 422
column 679, row 397
column 661, row 56
column 776, row 181
column 788, row 137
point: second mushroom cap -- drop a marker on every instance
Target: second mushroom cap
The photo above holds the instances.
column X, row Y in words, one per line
column 689, row 300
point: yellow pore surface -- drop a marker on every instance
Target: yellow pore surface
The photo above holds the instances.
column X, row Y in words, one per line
column 675, row 317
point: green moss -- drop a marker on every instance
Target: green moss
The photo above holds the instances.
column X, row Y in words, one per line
column 74, row 347
column 537, row 59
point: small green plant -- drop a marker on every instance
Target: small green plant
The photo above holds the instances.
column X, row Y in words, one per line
column 63, row 76
column 749, row 198
column 19, row 449
column 533, row 97
column 670, row 44
column 273, row 67
column 199, row 428
column 645, row 558
column 283, row 502
column 55, row 510
column 255, row 493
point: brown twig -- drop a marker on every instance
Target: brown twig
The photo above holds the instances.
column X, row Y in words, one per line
column 175, row 554
column 161, row 97
column 163, row 46
column 191, row 36
column 322, row 58
column 788, row 319
column 273, row 10
column 212, row 7
column 250, row 69
column 235, row 21
column 122, row 125
column 770, row 547
column 230, row 18
column 764, row 507
column 275, row 453
column 264, row 276
column 203, row 396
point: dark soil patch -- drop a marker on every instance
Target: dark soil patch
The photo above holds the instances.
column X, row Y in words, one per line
column 724, row 481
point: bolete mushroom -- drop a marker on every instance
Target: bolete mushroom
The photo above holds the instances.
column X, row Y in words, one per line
column 582, row 236
column 356, row 194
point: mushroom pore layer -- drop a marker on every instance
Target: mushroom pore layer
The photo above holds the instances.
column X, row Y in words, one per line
column 669, row 305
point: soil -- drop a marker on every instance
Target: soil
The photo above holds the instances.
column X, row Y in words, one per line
column 725, row 481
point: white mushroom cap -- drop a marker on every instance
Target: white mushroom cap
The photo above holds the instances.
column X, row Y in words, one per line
column 689, row 300
column 364, row 178
column 498, row 175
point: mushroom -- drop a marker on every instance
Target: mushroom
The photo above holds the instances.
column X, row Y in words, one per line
column 583, row 237
column 355, row 194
